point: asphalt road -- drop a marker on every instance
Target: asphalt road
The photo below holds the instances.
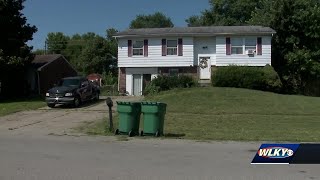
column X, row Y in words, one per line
column 38, row 145
column 67, row 157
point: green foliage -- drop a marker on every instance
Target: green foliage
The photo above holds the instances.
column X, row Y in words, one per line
column 14, row 52
column 164, row 83
column 247, row 77
column 156, row 20
column 109, row 78
column 225, row 13
column 88, row 53
column 56, row 42
column 296, row 46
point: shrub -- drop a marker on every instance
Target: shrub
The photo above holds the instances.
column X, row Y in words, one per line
column 258, row 78
column 109, row 78
column 164, row 83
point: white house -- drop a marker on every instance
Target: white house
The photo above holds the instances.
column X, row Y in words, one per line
column 145, row 53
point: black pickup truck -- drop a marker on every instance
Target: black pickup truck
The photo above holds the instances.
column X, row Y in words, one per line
column 72, row 91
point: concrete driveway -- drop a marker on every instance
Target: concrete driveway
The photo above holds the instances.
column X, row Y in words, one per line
column 58, row 120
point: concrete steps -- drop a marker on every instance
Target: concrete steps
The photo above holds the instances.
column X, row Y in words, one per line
column 204, row 83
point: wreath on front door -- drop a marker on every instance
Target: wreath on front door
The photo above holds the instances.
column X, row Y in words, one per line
column 203, row 63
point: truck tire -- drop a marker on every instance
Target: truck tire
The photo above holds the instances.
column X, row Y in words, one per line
column 96, row 96
column 76, row 102
column 51, row 105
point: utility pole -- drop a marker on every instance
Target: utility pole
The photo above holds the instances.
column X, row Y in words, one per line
column 45, row 47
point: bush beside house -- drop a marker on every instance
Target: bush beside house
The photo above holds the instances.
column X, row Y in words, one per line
column 257, row 78
column 164, row 83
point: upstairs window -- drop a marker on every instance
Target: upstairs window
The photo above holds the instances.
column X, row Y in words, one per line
column 137, row 48
column 239, row 45
column 250, row 43
column 236, row 45
column 172, row 47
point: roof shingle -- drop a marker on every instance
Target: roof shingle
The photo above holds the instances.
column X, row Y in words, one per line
column 194, row 31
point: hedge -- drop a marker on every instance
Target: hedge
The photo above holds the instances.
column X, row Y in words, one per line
column 258, row 78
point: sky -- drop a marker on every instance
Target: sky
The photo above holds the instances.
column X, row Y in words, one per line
column 82, row 16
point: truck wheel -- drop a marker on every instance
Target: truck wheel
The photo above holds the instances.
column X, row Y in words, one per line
column 96, row 97
column 51, row 105
column 76, row 102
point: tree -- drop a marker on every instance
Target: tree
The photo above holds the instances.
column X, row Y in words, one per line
column 225, row 13
column 56, row 42
column 156, row 20
column 296, row 45
column 14, row 53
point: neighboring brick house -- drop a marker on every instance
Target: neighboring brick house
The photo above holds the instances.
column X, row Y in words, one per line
column 47, row 70
column 145, row 53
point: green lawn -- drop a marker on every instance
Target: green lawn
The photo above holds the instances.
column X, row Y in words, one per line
column 237, row 114
column 12, row 106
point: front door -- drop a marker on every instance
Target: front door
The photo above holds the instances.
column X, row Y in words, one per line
column 137, row 85
column 205, row 67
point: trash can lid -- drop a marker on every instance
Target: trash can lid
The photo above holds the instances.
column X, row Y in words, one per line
column 152, row 103
column 127, row 103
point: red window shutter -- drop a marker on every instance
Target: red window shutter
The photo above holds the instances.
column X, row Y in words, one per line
column 129, row 48
column 164, row 47
column 145, row 47
column 180, row 47
column 259, row 46
column 228, row 46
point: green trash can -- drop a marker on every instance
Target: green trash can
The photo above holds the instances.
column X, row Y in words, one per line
column 129, row 118
column 153, row 118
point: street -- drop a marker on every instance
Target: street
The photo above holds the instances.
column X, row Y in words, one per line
column 69, row 157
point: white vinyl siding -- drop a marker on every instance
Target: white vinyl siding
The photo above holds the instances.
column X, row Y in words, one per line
column 155, row 58
column 241, row 59
column 204, row 46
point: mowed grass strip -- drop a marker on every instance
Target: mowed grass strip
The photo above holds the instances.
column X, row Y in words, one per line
column 240, row 115
column 12, row 106
column 232, row 114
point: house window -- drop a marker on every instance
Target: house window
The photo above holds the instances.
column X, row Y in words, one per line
column 173, row 72
column 236, row 45
column 250, row 43
column 172, row 47
column 241, row 45
column 137, row 48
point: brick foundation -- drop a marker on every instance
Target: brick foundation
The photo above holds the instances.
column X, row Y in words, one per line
column 122, row 80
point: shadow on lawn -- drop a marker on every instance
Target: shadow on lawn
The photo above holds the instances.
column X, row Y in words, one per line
column 172, row 135
column 82, row 105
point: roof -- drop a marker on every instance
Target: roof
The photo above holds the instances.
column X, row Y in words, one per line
column 94, row 76
column 196, row 31
column 41, row 59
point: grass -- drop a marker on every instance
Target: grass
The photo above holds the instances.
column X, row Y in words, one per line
column 12, row 106
column 236, row 114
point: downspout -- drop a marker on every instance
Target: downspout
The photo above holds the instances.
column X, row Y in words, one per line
column 38, row 74
column 119, row 79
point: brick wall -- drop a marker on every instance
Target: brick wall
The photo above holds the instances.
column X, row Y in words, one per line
column 122, row 80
